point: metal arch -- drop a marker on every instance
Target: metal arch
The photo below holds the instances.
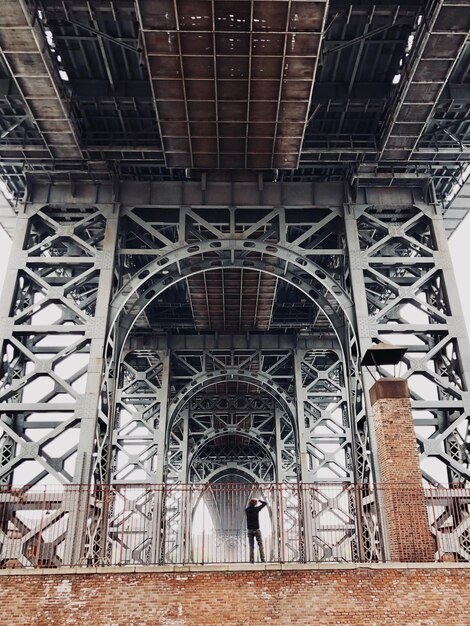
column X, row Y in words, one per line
column 213, row 436
column 168, row 280
column 241, row 471
column 208, row 379
column 176, row 255
column 156, row 433
column 144, row 300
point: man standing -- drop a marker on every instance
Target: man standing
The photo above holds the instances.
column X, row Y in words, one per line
column 252, row 524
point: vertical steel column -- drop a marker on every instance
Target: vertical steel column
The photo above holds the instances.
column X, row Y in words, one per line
column 97, row 333
column 364, row 335
column 280, row 474
column 159, row 496
column 457, row 446
column 403, row 285
column 300, row 398
column 88, row 412
column 140, row 419
column 162, row 436
column 456, row 320
column 279, row 506
column 174, row 514
column 405, row 293
column 53, row 321
column 16, row 262
column 305, row 474
column 186, row 500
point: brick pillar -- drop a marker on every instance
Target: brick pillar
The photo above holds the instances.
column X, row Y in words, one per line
column 408, row 534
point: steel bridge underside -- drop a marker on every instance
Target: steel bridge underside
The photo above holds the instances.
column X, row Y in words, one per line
column 185, row 292
column 115, row 375
column 296, row 90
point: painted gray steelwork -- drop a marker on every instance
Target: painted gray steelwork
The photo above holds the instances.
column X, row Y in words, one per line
column 98, row 386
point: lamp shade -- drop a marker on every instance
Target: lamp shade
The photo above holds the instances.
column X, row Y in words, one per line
column 383, row 354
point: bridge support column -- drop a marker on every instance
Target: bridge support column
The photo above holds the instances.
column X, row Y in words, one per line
column 404, row 507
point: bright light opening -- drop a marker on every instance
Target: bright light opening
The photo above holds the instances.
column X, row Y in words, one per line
column 5, row 191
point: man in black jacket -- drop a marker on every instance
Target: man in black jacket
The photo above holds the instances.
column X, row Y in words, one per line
column 252, row 524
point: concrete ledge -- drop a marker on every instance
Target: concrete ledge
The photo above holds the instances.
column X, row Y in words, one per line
column 227, row 567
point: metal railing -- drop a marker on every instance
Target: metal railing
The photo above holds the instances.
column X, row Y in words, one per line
column 206, row 523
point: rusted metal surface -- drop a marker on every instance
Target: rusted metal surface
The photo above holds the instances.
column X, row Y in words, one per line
column 232, row 300
column 378, row 100
column 25, row 52
column 439, row 44
column 232, row 80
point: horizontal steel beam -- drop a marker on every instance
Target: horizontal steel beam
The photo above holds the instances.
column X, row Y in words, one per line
column 151, row 342
column 100, row 89
column 357, row 5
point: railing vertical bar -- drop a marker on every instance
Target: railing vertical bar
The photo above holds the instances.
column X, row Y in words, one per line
column 460, row 519
column 434, row 525
column 281, row 512
column 308, row 521
column 379, row 494
column 360, row 521
column 301, row 524
column 122, row 528
column 456, row 520
column 41, row 522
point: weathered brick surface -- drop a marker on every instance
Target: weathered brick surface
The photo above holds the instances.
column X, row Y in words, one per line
column 430, row 596
column 403, row 501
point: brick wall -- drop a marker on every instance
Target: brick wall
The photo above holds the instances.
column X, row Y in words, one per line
column 355, row 596
column 403, row 502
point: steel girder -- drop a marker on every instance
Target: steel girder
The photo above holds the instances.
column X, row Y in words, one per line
column 55, row 306
column 157, row 252
column 54, row 313
column 385, row 251
column 405, row 294
column 160, row 254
